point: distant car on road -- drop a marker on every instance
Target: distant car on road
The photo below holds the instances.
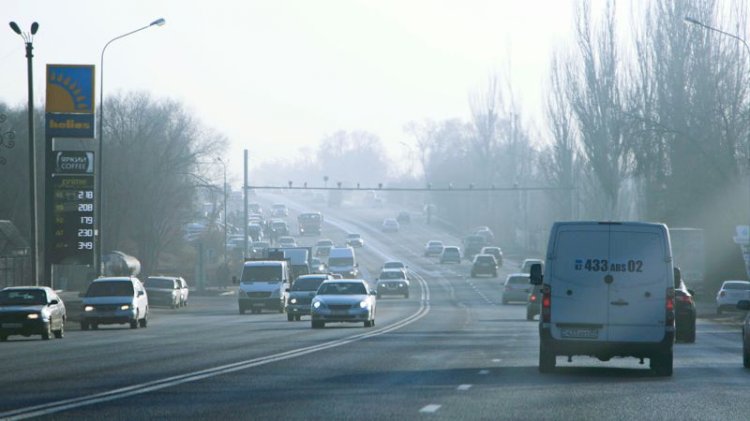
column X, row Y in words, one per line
column 355, row 240
column 730, row 293
column 279, row 210
column 31, row 310
column 403, row 217
column 495, row 251
column 484, row 264
column 392, row 282
column 534, row 304
column 301, row 294
column 395, row 264
column 433, row 248
column 317, row 266
column 744, row 305
column 517, row 288
column 526, row 264
column 450, row 254
column 164, row 291
column 322, row 251
column 685, row 314
column 390, row 225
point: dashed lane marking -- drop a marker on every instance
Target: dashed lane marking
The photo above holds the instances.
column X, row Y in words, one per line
column 430, row 409
column 484, row 372
column 464, row 387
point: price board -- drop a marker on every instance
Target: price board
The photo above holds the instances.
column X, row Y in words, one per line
column 72, row 225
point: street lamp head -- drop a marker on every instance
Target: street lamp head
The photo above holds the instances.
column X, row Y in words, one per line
column 158, row 22
column 15, row 28
column 34, row 28
column 688, row 19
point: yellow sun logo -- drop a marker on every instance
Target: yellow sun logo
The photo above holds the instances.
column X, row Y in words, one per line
column 69, row 89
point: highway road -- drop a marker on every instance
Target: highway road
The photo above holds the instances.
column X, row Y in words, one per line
column 450, row 351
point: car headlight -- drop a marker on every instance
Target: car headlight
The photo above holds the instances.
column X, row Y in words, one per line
column 317, row 304
column 32, row 316
column 383, row 285
column 400, row 285
column 88, row 308
column 293, row 301
column 363, row 304
column 125, row 307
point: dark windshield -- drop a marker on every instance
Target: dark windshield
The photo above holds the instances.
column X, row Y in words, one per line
column 17, row 297
column 392, row 275
column 261, row 274
column 307, row 284
column 342, row 288
column 110, row 289
column 159, row 283
column 737, row 285
column 340, row 261
column 485, row 259
column 518, row 280
column 394, row 265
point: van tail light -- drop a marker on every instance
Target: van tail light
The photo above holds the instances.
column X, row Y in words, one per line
column 669, row 319
column 546, row 303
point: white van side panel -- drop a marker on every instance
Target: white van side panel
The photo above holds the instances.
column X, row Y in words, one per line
column 579, row 297
column 641, row 268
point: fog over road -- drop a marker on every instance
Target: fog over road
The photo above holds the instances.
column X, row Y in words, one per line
column 450, row 351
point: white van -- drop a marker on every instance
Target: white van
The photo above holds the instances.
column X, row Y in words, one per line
column 342, row 260
column 264, row 285
column 607, row 291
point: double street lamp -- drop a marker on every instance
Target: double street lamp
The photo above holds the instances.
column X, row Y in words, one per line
column 100, row 167
column 28, row 38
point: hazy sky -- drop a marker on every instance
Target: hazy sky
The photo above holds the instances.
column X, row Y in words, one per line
column 277, row 75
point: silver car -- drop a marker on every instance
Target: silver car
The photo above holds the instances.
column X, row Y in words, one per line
column 517, row 288
column 30, row 311
column 345, row 300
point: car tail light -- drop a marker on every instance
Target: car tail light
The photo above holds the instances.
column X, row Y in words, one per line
column 546, row 303
column 532, row 298
column 685, row 299
column 669, row 319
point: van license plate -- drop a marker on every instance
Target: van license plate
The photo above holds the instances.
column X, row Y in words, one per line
column 579, row 332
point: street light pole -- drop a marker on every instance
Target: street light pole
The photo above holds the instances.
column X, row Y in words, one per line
column 28, row 38
column 688, row 19
column 224, row 164
column 100, row 177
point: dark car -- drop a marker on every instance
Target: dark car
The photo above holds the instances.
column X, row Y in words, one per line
column 484, row 264
column 163, row 291
column 301, row 294
column 685, row 314
column 31, row 311
column 403, row 217
column 534, row 305
column 744, row 305
column 392, row 282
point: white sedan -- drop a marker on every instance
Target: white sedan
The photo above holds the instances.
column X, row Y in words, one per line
column 343, row 300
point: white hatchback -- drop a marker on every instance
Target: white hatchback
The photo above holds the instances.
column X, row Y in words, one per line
column 730, row 293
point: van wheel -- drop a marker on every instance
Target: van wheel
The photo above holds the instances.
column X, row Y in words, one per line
column 745, row 356
column 661, row 364
column 134, row 322
column 547, row 359
column 144, row 321
column 690, row 335
column 47, row 332
column 84, row 326
column 60, row 333
column 242, row 310
column 289, row 317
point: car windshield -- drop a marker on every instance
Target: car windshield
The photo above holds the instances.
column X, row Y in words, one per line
column 737, row 285
column 16, row 297
column 518, row 280
column 352, row 236
column 450, row 251
column 395, row 274
column 393, row 265
column 270, row 274
column 307, row 284
column 159, row 283
column 435, row 244
column 340, row 261
column 110, row 289
column 342, row 288
column 485, row 259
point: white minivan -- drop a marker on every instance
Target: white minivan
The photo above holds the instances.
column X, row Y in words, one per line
column 607, row 291
column 343, row 261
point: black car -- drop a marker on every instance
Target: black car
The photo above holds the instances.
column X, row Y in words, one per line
column 684, row 312
column 534, row 305
column 473, row 245
column 484, row 264
column 31, row 311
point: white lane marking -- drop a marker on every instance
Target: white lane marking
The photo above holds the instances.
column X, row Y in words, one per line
column 464, row 387
column 496, row 360
column 430, row 409
column 139, row 389
column 484, row 372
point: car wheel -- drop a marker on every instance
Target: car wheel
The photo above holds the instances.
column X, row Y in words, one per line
column 298, row 317
column 144, row 321
column 84, row 326
column 282, row 306
column 289, row 317
column 134, row 322
column 547, row 359
column 47, row 332
column 689, row 337
column 718, row 311
column 529, row 315
column 406, row 295
column 3, row 338
column 317, row 324
column 60, row 333
column 745, row 355
column 662, row 363
column 94, row 326
column 242, row 310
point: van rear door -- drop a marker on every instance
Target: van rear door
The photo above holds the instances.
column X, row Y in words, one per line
column 579, row 294
column 639, row 266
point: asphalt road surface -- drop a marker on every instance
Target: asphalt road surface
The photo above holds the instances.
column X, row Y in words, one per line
column 450, row 351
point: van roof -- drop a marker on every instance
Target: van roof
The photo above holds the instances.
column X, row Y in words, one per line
column 265, row 263
column 624, row 223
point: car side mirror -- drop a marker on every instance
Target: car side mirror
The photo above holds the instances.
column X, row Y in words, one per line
column 692, row 292
column 535, row 274
column 286, row 290
column 743, row 305
column 677, row 277
column 373, row 293
column 54, row 302
column 140, row 293
column 235, row 280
